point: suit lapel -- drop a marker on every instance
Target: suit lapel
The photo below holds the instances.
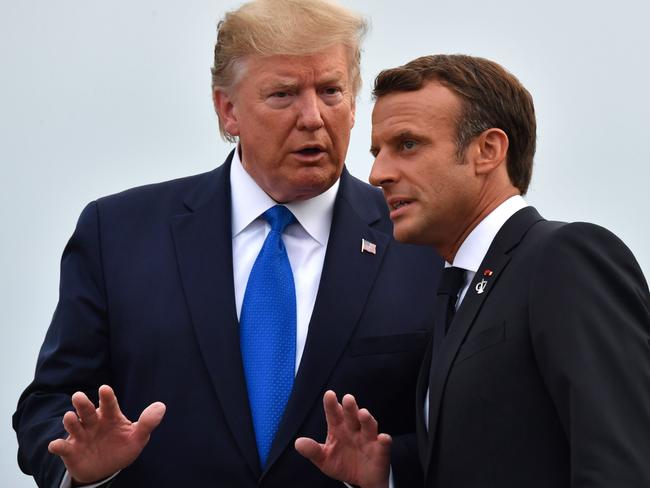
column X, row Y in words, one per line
column 495, row 260
column 346, row 280
column 204, row 251
column 420, row 396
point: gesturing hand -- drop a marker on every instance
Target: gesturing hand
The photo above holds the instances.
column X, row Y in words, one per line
column 103, row 441
column 353, row 452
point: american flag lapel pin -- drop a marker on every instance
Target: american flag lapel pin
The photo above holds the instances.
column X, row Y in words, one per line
column 369, row 247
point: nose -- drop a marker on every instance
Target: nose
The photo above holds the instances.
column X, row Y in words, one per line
column 383, row 173
column 309, row 112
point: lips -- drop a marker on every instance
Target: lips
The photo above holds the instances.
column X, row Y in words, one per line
column 395, row 203
column 310, row 150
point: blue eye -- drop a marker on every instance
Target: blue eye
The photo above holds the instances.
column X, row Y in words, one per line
column 409, row 144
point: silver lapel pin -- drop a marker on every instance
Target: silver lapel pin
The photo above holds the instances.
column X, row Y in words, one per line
column 480, row 286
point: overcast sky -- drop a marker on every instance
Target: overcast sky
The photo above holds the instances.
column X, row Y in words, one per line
column 97, row 97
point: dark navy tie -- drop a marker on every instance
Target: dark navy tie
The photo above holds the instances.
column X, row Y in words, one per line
column 448, row 290
column 268, row 332
column 450, row 284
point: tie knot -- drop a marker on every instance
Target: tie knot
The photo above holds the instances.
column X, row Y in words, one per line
column 451, row 281
column 278, row 217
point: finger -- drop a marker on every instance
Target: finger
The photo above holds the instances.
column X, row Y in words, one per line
column 149, row 419
column 85, row 409
column 108, row 405
column 333, row 410
column 369, row 427
column 311, row 449
column 385, row 440
column 350, row 413
column 60, row 447
column 72, row 425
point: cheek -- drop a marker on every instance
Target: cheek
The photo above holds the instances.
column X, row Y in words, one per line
column 269, row 124
column 340, row 124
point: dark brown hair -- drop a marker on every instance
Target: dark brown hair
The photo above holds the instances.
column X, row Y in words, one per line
column 491, row 97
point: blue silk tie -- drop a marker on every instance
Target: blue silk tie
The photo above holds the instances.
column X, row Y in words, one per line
column 268, row 332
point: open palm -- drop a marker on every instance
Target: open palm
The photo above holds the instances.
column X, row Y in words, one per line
column 353, row 452
column 102, row 440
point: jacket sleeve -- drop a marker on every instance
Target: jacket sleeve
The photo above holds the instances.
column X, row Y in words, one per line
column 405, row 462
column 74, row 355
column 590, row 328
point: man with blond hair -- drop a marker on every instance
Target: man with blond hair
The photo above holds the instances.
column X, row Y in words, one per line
column 233, row 299
column 538, row 374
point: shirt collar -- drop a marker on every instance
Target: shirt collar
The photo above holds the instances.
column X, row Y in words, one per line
column 476, row 245
column 249, row 201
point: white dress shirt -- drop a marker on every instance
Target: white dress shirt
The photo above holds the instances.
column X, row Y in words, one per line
column 305, row 241
column 472, row 251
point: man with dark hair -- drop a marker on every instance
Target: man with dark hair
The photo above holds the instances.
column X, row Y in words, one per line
column 538, row 374
column 233, row 299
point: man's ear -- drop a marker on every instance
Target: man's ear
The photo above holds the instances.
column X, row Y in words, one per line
column 491, row 150
column 225, row 109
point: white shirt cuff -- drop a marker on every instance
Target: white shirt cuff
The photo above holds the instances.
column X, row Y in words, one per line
column 391, row 483
column 66, row 482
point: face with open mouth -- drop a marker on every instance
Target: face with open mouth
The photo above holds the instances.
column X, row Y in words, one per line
column 293, row 116
column 430, row 192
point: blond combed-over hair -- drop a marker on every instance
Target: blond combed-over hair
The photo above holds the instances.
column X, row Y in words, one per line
column 284, row 27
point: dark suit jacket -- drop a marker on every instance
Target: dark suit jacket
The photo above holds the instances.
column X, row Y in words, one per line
column 543, row 380
column 147, row 306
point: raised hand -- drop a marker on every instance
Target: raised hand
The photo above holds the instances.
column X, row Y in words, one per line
column 102, row 441
column 353, row 452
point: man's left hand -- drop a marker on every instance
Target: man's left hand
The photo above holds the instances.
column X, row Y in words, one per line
column 353, row 452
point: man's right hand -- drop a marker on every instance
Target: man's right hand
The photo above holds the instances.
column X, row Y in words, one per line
column 102, row 441
column 353, row 452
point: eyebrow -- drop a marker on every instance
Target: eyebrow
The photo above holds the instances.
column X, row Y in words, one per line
column 282, row 85
column 332, row 77
column 400, row 136
column 405, row 134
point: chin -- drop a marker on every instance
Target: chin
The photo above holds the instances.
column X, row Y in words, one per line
column 411, row 234
column 403, row 234
column 312, row 185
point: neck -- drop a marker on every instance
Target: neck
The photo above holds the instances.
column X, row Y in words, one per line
column 449, row 249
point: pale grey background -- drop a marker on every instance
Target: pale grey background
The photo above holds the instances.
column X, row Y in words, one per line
column 96, row 97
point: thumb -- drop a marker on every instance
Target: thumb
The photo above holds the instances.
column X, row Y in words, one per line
column 149, row 419
column 311, row 449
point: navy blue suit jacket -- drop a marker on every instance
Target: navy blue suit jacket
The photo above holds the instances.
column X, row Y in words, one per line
column 147, row 306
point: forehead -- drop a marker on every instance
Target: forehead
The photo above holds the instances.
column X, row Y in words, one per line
column 332, row 62
column 432, row 107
